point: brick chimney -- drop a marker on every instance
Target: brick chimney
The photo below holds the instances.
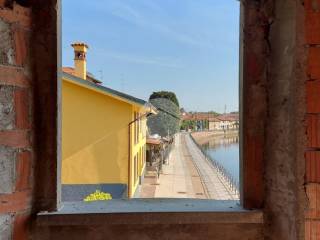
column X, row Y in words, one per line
column 80, row 61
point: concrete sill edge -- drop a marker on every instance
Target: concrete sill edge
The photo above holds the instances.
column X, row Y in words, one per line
column 150, row 211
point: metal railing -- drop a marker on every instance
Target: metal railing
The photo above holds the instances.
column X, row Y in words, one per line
column 232, row 183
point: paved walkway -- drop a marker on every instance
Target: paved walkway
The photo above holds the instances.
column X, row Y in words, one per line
column 188, row 175
column 180, row 178
column 215, row 184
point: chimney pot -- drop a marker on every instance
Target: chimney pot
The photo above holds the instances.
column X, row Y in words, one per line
column 80, row 61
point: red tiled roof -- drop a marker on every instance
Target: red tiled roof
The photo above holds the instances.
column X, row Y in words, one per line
column 70, row 70
column 153, row 141
column 187, row 117
column 214, row 119
column 211, row 117
column 229, row 117
column 197, row 116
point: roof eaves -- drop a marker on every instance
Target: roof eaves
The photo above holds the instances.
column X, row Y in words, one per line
column 107, row 90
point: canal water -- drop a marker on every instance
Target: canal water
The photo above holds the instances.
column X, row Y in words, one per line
column 224, row 150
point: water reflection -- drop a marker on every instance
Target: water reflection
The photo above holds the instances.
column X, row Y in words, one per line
column 224, row 150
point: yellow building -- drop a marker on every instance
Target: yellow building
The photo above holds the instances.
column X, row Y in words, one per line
column 103, row 135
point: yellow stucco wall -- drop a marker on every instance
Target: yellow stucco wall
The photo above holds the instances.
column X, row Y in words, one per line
column 136, row 150
column 94, row 137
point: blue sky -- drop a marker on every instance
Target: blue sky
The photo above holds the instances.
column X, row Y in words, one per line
column 189, row 47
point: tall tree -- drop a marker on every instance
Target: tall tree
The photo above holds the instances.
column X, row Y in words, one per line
column 167, row 121
column 166, row 95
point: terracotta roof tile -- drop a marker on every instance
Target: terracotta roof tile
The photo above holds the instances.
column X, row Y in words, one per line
column 153, row 141
column 70, row 70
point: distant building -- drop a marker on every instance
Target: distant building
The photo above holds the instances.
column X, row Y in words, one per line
column 201, row 120
column 103, row 135
column 215, row 124
column 224, row 122
column 211, row 121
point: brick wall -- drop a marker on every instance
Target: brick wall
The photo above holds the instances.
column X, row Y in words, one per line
column 16, row 155
column 312, row 154
column 17, row 126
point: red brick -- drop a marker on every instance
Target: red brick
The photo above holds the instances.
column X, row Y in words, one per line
column 253, row 171
column 18, row 201
column 2, row 2
column 313, row 167
column 21, row 39
column 22, row 104
column 313, row 27
column 312, row 5
column 312, row 21
column 313, row 194
column 312, row 230
column 313, row 130
column 313, row 96
column 13, row 76
column 16, row 138
column 21, row 227
column 254, row 66
column 20, row 15
column 314, row 62
column 23, row 171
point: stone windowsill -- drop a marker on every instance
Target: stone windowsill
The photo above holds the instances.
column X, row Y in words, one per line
column 150, row 211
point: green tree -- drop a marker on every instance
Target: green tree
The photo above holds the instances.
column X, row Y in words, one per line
column 188, row 124
column 166, row 95
column 167, row 121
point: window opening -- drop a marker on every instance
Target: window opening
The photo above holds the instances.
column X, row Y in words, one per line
column 157, row 116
